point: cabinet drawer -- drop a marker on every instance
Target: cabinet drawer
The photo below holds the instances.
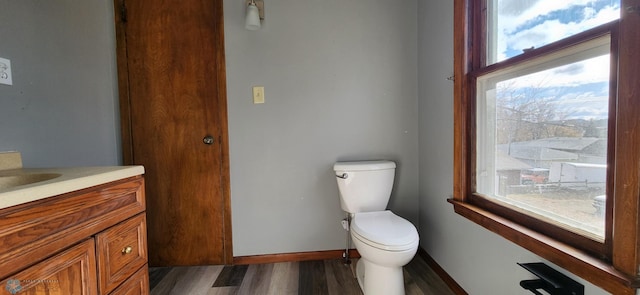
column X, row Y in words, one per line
column 138, row 284
column 121, row 251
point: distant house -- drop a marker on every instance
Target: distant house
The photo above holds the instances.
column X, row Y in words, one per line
column 508, row 170
column 541, row 153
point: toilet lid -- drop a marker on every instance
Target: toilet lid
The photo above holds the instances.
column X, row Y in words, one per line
column 384, row 230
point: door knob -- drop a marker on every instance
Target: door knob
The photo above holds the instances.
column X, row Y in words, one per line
column 208, row 139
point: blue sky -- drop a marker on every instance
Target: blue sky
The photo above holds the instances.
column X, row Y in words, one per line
column 524, row 24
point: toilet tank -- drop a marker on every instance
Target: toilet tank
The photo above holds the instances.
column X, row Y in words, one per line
column 364, row 185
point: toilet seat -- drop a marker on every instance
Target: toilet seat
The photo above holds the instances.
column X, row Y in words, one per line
column 384, row 230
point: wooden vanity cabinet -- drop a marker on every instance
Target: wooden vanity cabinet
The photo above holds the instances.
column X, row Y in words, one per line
column 92, row 241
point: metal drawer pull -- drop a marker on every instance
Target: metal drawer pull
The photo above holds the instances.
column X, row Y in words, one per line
column 127, row 250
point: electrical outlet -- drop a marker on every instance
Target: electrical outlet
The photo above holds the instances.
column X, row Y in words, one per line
column 5, row 71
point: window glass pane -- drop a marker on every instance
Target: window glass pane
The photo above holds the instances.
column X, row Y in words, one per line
column 542, row 138
column 518, row 25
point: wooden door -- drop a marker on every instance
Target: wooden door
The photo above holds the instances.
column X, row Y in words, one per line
column 171, row 75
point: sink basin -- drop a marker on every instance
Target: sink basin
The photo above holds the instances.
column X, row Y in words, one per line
column 12, row 180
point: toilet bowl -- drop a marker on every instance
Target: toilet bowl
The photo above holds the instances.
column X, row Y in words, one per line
column 386, row 242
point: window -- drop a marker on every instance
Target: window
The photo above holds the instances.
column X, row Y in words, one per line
column 541, row 131
column 546, row 146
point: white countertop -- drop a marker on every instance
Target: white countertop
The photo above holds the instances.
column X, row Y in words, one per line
column 70, row 179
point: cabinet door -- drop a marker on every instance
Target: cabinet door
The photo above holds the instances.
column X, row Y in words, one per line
column 72, row 272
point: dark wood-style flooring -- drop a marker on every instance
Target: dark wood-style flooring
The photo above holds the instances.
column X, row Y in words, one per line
column 305, row 277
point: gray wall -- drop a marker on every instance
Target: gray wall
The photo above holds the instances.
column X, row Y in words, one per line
column 62, row 107
column 480, row 261
column 340, row 83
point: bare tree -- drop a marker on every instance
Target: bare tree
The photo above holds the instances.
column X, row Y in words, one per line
column 529, row 113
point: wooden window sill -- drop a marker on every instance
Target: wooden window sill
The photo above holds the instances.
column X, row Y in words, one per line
column 594, row 270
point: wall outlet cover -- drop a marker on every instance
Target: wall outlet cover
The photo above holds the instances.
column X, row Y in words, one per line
column 5, row 71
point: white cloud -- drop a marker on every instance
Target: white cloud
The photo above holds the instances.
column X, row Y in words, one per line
column 592, row 70
column 578, row 89
column 542, row 7
column 584, row 106
column 526, row 23
column 510, row 26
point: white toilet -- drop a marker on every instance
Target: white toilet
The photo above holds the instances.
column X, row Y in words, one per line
column 385, row 241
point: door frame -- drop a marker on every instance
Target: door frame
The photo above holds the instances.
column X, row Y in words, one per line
column 221, row 97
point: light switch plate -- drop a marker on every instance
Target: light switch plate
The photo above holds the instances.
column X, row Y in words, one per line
column 258, row 94
column 5, row 71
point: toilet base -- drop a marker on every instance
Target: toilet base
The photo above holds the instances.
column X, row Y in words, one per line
column 379, row 280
